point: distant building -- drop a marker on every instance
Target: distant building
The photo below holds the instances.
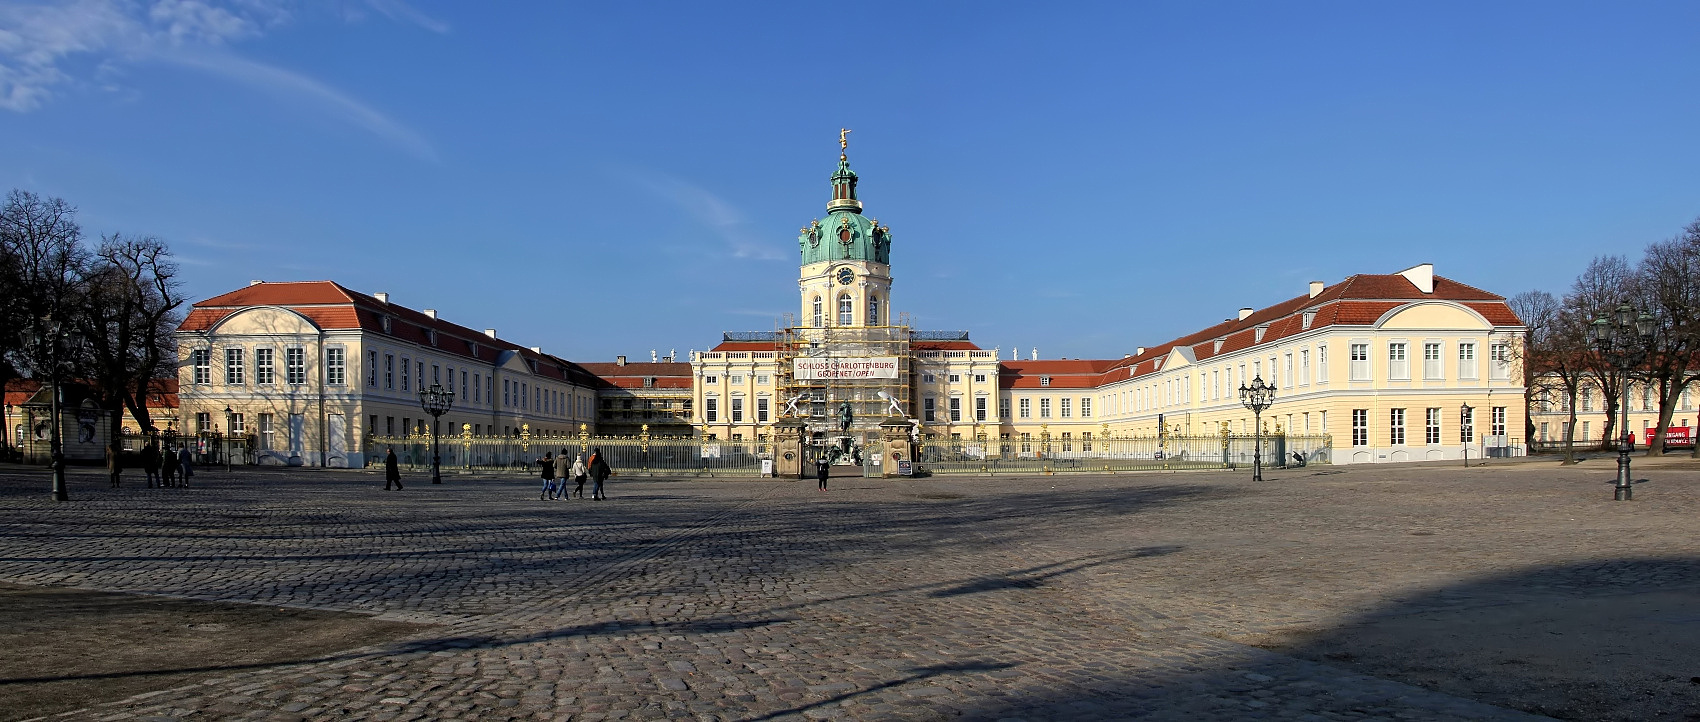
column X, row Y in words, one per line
column 633, row 398
column 311, row 369
column 1385, row 364
column 1407, row 366
column 82, row 423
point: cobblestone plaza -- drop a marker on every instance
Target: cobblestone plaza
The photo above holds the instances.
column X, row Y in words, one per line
column 1325, row 593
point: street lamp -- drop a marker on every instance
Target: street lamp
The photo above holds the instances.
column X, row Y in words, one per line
column 436, row 401
column 57, row 339
column 1466, row 420
column 1257, row 397
column 229, row 430
column 1623, row 337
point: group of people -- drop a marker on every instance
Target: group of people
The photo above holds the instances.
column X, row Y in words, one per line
column 165, row 467
column 558, row 470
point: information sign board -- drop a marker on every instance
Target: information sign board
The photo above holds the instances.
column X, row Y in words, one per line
column 822, row 368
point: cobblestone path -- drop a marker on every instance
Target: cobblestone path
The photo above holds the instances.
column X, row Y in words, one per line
column 1052, row 598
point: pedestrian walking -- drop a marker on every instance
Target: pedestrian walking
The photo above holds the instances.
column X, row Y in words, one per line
column 150, row 464
column 822, row 469
column 114, row 463
column 580, row 471
column 169, row 462
column 599, row 473
column 548, row 464
column 563, row 472
column 392, row 470
column 185, row 465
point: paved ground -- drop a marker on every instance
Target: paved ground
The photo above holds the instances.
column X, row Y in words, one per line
column 1317, row 594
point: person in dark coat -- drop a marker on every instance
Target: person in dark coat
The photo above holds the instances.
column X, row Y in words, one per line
column 548, row 463
column 822, row 469
column 185, row 465
column 599, row 473
column 150, row 463
column 169, row 464
column 392, row 471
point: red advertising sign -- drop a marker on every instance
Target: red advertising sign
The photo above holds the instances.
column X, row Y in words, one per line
column 1675, row 436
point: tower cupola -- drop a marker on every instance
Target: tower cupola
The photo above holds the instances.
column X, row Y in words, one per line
column 844, row 187
column 845, row 234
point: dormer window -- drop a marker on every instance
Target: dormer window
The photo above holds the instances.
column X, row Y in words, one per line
column 1044, row 381
column 1218, row 348
column 431, row 336
column 1259, row 333
column 384, row 321
column 1309, row 317
column 472, row 348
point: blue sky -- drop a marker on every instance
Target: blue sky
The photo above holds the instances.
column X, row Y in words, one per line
column 613, row 178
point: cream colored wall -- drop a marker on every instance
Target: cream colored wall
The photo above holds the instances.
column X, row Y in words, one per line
column 750, row 367
column 355, row 400
column 1591, row 422
column 1323, row 402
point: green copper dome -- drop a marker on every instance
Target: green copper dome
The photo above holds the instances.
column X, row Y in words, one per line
column 845, row 234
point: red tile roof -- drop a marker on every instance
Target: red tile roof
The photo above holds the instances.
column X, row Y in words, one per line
column 334, row 307
column 1358, row 300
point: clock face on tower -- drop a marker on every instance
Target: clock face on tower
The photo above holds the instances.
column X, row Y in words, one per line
column 845, row 276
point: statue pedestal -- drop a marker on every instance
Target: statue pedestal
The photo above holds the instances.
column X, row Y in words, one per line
column 788, row 449
column 894, row 432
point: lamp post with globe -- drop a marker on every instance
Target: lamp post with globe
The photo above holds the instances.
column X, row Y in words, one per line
column 1257, row 397
column 436, row 401
column 1623, row 338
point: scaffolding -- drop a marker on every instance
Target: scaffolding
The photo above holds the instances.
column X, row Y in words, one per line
column 819, row 403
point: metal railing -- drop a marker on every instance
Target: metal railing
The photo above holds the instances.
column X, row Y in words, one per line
column 626, row 455
column 1139, row 453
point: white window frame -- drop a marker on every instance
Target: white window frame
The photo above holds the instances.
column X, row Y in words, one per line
column 1398, row 360
column 235, row 370
column 265, row 366
column 295, row 365
column 336, row 366
column 1434, row 361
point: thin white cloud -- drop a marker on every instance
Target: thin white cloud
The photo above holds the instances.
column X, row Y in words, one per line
column 710, row 210
column 38, row 40
column 400, row 11
column 296, row 86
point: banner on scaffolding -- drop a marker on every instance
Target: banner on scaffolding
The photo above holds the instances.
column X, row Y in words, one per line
column 821, row 368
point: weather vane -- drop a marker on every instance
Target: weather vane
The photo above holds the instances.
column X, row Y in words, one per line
column 843, row 144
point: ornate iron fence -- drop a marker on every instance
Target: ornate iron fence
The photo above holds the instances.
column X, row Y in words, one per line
column 1111, row 454
column 626, row 455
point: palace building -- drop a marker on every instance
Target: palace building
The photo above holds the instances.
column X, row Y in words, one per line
column 1405, row 366
column 1385, row 364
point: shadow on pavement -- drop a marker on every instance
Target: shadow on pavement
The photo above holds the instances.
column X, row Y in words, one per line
column 1613, row 640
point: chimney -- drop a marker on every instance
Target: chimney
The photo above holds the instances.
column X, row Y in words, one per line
column 432, row 313
column 490, row 332
column 1139, row 351
column 619, row 360
column 1421, row 276
column 1244, row 313
column 255, row 282
column 537, row 349
column 1316, row 288
column 382, row 297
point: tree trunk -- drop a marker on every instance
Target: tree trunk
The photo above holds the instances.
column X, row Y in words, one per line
column 1570, row 429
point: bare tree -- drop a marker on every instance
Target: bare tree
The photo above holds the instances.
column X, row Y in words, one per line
column 1669, row 280
column 1539, row 312
column 130, row 307
column 43, row 261
column 1607, row 282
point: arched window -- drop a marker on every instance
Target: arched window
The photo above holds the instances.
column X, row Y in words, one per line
column 846, row 310
column 873, row 310
column 817, row 323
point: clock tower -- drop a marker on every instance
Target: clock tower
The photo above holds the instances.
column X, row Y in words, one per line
column 845, row 279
